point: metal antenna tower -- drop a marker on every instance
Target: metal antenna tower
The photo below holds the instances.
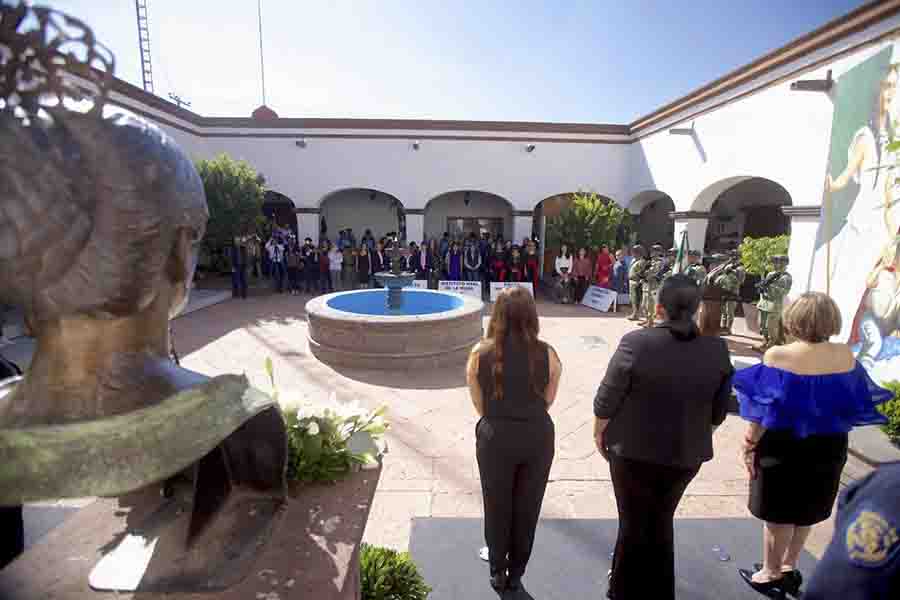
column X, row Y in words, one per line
column 144, row 43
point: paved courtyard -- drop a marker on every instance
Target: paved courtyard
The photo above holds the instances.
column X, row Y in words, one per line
column 430, row 469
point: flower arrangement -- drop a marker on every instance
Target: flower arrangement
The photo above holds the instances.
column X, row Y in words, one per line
column 326, row 442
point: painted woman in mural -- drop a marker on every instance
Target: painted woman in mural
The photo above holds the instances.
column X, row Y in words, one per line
column 878, row 317
column 866, row 155
column 855, row 252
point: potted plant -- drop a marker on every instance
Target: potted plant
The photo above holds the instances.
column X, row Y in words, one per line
column 756, row 258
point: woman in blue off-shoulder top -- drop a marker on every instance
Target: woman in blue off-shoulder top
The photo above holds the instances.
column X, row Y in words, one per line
column 800, row 405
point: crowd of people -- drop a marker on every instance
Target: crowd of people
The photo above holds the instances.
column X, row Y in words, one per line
column 349, row 263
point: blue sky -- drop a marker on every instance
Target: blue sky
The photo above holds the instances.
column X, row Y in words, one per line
column 564, row 61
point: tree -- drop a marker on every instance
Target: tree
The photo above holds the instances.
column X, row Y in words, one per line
column 757, row 253
column 590, row 221
column 234, row 194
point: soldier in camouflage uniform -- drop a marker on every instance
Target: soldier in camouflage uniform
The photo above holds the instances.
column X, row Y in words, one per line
column 651, row 283
column 730, row 278
column 772, row 292
column 695, row 269
column 636, row 280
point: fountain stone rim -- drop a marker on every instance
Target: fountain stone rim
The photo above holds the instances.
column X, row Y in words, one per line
column 318, row 307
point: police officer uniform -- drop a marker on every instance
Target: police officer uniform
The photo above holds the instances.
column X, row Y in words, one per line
column 863, row 560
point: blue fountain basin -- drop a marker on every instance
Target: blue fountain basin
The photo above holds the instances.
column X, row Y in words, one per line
column 374, row 302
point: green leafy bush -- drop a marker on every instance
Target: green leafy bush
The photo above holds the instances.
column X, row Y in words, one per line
column 590, row 221
column 891, row 409
column 234, row 194
column 320, row 448
column 757, row 253
column 386, row 574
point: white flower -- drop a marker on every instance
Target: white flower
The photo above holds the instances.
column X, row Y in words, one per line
column 313, row 428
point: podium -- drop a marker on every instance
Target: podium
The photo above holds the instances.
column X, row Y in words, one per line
column 711, row 310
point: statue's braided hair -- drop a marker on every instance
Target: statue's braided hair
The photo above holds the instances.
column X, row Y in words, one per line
column 91, row 204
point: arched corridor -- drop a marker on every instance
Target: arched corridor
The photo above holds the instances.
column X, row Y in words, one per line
column 360, row 209
column 653, row 224
column 464, row 212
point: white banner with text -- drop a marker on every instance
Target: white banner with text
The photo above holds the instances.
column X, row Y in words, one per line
column 599, row 298
column 499, row 286
column 466, row 288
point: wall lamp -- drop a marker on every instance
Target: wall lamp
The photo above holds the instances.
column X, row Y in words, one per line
column 682, row 130
column 814, row 85
column 529, row 148
column 300, row 143
column 415, row 145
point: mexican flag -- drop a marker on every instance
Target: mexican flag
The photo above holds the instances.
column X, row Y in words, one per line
column 682, row 256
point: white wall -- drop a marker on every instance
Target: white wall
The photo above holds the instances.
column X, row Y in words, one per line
column 354, row 208
column 774, row 133
column 452, row 205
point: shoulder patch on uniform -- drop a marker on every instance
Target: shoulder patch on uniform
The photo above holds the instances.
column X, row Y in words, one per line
column 871, row 539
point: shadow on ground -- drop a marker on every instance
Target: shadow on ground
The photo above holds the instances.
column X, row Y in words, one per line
column 571, row 558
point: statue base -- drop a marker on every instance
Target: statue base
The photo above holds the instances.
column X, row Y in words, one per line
column 312, row 552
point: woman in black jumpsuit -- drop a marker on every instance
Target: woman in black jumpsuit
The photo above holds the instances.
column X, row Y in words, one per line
column 513, row 378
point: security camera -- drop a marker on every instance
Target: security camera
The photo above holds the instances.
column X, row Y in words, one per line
column 301, row 143
column 415, row 145
column 529, row 148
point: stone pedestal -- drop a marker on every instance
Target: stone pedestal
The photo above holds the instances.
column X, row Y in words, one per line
column 314, row 552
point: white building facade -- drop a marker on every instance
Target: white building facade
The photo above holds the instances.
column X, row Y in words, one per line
column 742, row 153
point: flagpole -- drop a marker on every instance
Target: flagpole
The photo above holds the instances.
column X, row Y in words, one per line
column 262, row 66
column 827, row 198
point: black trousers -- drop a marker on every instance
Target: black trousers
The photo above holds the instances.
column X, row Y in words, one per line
column 514, row 459
column 12, row 538
column 646, row 496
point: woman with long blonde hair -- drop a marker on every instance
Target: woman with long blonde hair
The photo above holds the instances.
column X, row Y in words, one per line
column 513, row 378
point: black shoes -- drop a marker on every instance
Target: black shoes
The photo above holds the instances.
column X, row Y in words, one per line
column 793, row 580
column 771, row 589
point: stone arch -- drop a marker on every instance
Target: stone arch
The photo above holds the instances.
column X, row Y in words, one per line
column 548, row 208
column 460, row 212
column 739, row 207
column 651, row 212
column 359, row 208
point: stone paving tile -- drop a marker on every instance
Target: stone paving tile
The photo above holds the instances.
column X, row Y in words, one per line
column 390, row 519
column 430, row 469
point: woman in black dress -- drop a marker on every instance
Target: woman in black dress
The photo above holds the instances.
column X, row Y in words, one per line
column 513, row 378
column 800, row 405
column 364, row 266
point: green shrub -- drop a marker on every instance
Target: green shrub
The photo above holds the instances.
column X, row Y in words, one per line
column 757, row 253
column 891, row 409
column 386, row 574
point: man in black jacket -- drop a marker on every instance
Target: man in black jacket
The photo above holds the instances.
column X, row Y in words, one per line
column 665, row 390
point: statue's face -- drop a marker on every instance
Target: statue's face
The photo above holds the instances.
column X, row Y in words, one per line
column 181, row 290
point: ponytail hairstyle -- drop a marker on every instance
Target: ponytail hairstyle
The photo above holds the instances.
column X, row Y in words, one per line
column 680, row 297
column 515, row 314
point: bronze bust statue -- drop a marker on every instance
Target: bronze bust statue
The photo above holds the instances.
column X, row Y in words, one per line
column 99, row 224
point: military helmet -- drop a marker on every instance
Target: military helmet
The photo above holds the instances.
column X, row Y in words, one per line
column 694, row 253
column 673, row 250
column 718, row 258
column 780, row 259
column 656, row 249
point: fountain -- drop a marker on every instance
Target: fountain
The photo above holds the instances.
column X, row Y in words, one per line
column 396, row 279
column 394, row 328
